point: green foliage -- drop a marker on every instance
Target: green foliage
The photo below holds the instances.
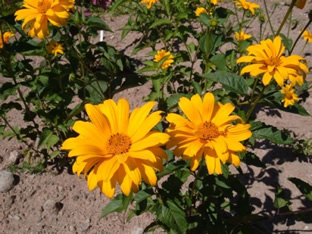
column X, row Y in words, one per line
column 49, row 92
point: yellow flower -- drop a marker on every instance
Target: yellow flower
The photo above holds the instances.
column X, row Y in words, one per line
column 247, row 5
column 160, row 55
column 200, row 10
column 307, row 36
column 55, row 48
column 117, row 146
column 267, row 58
column 5, row 39
column 37, row 13
column 149, row 3
column 300, row 4
column 215, row 2
column 242, row 36
column 290, row 96
column 208, row 131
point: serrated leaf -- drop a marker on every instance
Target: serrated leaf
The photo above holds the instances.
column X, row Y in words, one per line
column 229, row 81
column 118, row 204
column 174, row 217
column 263, row 131
column 47, row 139
column 305, row 188
column 141, row 195
column 160, row 22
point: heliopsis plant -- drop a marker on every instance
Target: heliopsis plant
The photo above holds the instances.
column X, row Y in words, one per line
column 118, row 146
column 289, row 95
column 149, row 3
column 242, row 36
column 55, row 48
column 37, row 13
column 161, row 54
column 247, row 6
column 267, row 57
column 208, row 132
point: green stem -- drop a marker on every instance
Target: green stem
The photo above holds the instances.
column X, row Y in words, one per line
column 269, row 17
column 305, row 44
column 269, row 20
column 289, row 25
column 253, row 106
column 293, row 2
column 297, row 39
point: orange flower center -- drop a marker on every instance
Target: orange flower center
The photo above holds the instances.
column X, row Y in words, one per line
column 207, row 131
column 44, row 6
column 118, row 144
column 273, row 61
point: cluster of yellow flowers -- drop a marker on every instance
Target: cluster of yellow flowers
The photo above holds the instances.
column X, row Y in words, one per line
column 267, row 57
column 164, row 54
column 120, row 147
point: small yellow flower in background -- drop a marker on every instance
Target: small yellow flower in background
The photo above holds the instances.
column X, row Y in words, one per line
column 118, row 146
column 290, row 96
column 267, row 58
column 215, row 2
column 207, row 132
column 242, row 36
column 300, row 4
column 5, row 38
column 200, row 10
column 247, row 5
column 37, row 13
column 149, row 3
column 55, row 48
column 160, row 55
column 307, row 36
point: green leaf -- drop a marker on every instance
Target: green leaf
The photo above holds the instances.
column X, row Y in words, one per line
column 48, row 139
column 220, row 62
column 173, row 216
column 263, row 131
column 141, row 195
column 305, row 188
column 204, row 18
column 229, row 81
column 54, row 154
column 118, row 204
column 98, row 24
column 160, row 22
column 96, row 91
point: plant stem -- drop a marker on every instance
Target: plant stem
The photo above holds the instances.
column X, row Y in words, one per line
column 253, row 106
column 297, row 39
column 292, row 4
column 267, row 13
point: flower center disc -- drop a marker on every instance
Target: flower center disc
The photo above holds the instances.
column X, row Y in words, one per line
column 273, row 61
column 207, row 131
column 44, row 6
column 119, row 144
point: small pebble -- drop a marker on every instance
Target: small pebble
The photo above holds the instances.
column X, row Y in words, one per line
column 6, row 181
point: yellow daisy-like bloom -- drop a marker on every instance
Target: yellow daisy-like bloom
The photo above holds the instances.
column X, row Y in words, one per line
column 207, row 132
column 5, row 38
column 307, row 36
column 215, row 2
column 117, row 146
column 267, row 58
column 149, row 3
column 160, row 55
column 55, row 48
column 37, row 13
column 290, row 96
column 247, row 5
column 200, row 10
column 242, row 36
column 300, row 4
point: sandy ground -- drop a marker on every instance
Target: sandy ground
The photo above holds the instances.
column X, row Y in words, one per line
column 55, row 202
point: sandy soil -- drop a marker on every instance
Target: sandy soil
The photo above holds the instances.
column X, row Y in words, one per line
column 55, row 202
